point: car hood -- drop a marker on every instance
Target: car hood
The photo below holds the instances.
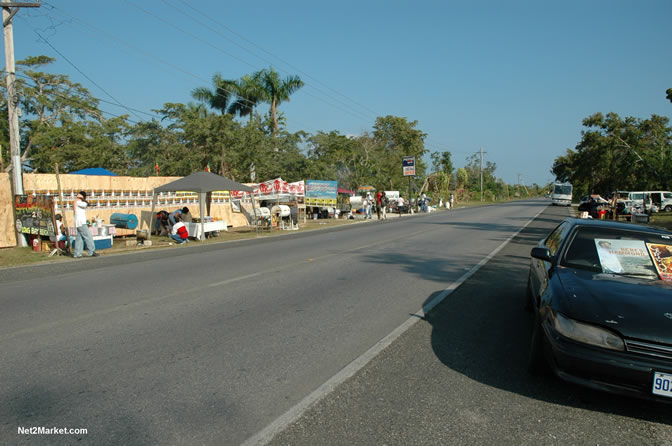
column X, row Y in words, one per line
column 635, row 308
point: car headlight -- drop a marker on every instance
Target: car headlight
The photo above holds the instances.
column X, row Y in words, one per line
column 587, row 334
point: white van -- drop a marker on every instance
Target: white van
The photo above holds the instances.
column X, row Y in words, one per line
column 657, row 200
column 661, row 199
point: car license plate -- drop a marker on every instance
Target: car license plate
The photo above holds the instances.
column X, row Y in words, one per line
column 662, row 384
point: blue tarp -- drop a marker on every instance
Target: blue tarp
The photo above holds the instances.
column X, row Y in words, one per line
column 95, row 171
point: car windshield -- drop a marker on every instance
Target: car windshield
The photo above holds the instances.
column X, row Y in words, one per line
column 622, row 252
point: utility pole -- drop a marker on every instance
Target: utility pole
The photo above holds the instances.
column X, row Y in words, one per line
column 525, row 187
column 519, row 185
column 482, row 152
column 9, row 9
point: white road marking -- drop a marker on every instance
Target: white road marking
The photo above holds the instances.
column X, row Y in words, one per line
column 279, row 424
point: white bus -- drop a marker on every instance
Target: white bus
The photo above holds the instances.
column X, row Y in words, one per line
column 562, row 194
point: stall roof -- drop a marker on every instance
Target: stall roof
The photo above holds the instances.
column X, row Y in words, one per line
column 366, row 189
column 95, row 171
column 203, row 182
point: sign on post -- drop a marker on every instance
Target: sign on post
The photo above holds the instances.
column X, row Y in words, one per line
column 408, row 166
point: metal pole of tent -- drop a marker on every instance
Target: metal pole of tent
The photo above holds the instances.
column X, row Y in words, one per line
column 151, row 219
column 201, row 199
column 254, row 212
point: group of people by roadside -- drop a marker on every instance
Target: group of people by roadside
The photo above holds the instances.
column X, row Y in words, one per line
column 380, row 204
column 172, row 224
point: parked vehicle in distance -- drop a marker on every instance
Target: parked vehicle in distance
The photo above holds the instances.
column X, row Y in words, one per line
column 594, row 204
column 562, row 194
column 658, row 200
column 636, row 202
column 601, row 294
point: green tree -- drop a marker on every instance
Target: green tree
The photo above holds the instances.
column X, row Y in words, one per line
column 332, row 156
column 78, row 145
column 441, row 161
column 249, row 93
column 462, row 178
column 56, row 111
column 616, row 153
column 192, row 139
column 473, row 169
column 669, row 94
column 220, row 96
column 394, row 138
column 277, row 90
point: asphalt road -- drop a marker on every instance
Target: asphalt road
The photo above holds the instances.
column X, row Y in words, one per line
column 458, row 377
column 217, row 344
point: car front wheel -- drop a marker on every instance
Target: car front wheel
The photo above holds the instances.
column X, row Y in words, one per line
column 536, row 363
column 528, row 294
column 668, row 208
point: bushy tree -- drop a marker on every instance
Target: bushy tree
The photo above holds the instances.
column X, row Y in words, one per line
column 616, row 153
column 61, row 122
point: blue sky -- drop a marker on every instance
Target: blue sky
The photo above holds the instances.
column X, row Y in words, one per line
column 515, row 78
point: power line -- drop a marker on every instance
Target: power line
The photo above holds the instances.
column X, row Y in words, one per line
column 348, row 110
column 216, row 31
column 81, row 96
column 83, row 74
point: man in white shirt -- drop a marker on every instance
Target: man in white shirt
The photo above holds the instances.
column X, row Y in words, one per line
column 83, row 234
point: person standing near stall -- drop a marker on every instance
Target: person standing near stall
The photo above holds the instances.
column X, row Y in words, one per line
column 369, row 203
column 83, row 233
column 379, row 204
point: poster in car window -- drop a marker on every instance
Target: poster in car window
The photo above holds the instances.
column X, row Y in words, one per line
column 624, row 256
column 662, row 259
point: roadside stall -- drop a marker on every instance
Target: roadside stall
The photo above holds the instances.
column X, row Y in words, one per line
column 201, row 183
column 321, row 197
column 281, row 204
column 343, row 201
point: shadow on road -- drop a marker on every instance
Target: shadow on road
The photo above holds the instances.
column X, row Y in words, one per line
column 483, row 332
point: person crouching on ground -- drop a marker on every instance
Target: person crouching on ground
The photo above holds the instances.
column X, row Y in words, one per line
column 179, row 232
column 162, row 223
column 83, row 234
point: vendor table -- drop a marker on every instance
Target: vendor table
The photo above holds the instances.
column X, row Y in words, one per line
column 211, row 226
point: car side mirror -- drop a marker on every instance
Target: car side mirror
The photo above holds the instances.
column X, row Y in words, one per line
column 541, row 254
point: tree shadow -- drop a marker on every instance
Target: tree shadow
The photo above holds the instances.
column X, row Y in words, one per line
column 483, row 332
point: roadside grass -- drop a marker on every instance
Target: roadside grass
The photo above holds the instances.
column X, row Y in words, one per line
column 662, row 220
column 10, row 257
column 24, row 256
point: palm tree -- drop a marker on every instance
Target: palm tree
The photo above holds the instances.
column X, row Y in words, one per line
column 249, row 93
column 219, row 97
column 277, row 90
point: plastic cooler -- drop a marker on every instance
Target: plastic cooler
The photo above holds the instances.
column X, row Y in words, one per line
column 98, row 242
column 126, row 221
